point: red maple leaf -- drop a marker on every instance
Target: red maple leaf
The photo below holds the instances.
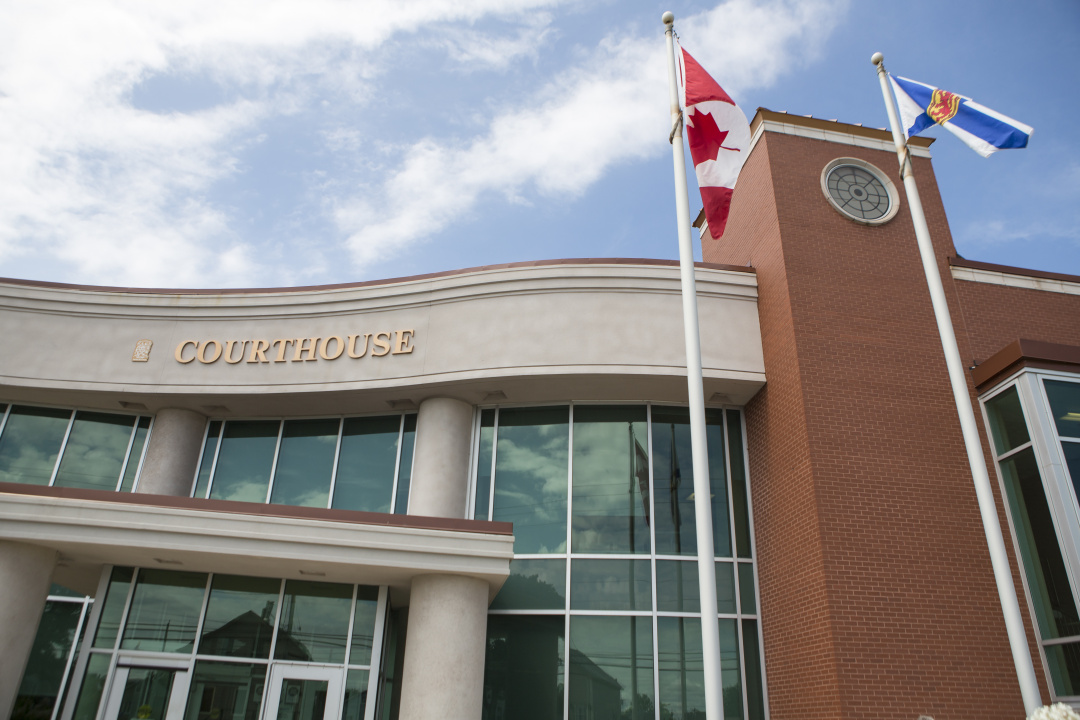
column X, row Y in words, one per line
column 705, row 138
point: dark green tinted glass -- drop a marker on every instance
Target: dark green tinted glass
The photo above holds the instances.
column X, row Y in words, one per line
column 1007, row 424
column 240, row 617
column 610, row 585
column 56, row 589
column 164, row 614
column 203, row 480
column 725, row 587
column 523, row 668
column 531, row 462
column 95, row 451
column 48, row 659
column 146, row 693
column 747, row 594
column 677, row 586
column 1065, row 404
column 314, row 622
column 135, row 455
column 356, row 690
column 93, row 685
column 755, row 688
column 1039, row 549
column 245, row 460
column 30, row 443
column 483, row 465
column 302, row 699
column 533, row 585
column 305, row 463
column 730, row 677
column 225, row 691
column 112, row 612
column 365, row 474
column 673, row 474
column 408, row 444
column 1064, row 662
column 363, row 632
column 611, row 667
column 682, row 675
column 611, row 480
column 740, row 500
column 1072, row 462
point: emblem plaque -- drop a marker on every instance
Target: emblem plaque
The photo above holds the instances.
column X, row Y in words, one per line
column 142, row 351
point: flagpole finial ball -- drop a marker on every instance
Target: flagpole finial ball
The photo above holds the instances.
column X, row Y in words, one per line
column 876, row 58
column 668, row 17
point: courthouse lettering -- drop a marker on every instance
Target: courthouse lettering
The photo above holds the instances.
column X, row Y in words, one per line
column 233, row 352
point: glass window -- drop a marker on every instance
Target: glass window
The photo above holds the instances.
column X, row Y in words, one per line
column 682, row 674
column 677, row 586
column 135, row 455
column 1065, row 404
column 93, row 685
column 305, row 463
column 739, row 495
column 408, row 443
column 30, row 443
column 48, row 661
column 95, row 451
column 611, row 667
column 213, row 434
column 164, row 612
column 483, row 465
column 755, row 685
column 363, row 632
column 365, row 473
column 1007, row 424
column 225, row 691
column 245, row 460
column 747, row 593
column 611, row 480
column 112, row 612
column 533, row 585
column 314, row 622
column 356, row 690
column 240, row 617
column 610, row 585
column 146, row 693
column 531, row 461
column 730, row 677
column 523, row 668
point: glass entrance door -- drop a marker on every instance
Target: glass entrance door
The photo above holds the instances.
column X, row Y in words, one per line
column 303, row 692
column 147, row 691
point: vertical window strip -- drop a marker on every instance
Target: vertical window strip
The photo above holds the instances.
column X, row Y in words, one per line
column 3, row 420
column 397, row 465
column 491, row 472
column 141, row 453
column 127, row 454
column 337, row 459
column 63, row 446
column 274, row 462
column 217, row 453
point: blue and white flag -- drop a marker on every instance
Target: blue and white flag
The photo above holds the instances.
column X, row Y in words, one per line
column 982, row 129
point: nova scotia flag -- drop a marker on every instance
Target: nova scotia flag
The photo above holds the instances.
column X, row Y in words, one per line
column 982, row 129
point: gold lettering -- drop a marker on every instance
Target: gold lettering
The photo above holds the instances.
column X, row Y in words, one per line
column 352, row 346
column 402, row 347
column 384, row 344
column 257, row 349
column 326, row 343
column 180, row 351
column 306, row 345
column 229, row 353
column 283, row 345
column 202, row 351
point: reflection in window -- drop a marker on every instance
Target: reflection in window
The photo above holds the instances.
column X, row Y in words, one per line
column 523, row 669
column 533, row 584
column 610, row 585
column 365, row 473
column 95, row 451
column 244, row 461
column 30, row 443
column 164, row 612
column 225, row 691
column 408, row 444
column 314, row 622
column 48, row 661
column 240, row 617
column 112, row 612
column 611, row 667
column 305, row 463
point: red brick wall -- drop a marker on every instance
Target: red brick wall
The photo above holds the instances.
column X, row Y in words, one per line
column 878, row 599
column 995, row 315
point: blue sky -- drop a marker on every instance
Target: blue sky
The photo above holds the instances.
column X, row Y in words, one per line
column 270, row 142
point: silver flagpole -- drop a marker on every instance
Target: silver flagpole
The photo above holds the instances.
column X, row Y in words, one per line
column 710, row 625
column 999, row 559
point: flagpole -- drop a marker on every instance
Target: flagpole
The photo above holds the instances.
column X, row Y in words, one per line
column 710, row 625
column 999, row 558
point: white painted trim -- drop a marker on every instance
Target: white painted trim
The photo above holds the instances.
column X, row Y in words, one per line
column 993, row 277
column 834, row 136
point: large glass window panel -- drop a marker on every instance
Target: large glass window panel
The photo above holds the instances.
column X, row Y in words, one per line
column 93, row 685
column 146, row 693
column 209, row 450
column 365, row 473
column 1007, row 424
column 523, row 669
column 611, row 480
column 610, row 585
column 225, row 691
column 1072, row 462
column 730, row 677
column 483, row 464
column 30, row 444
column 135, row 456
column 164, row 613
column 1065, row 405
column 1043, row 564
column 1064, row 662
column 363, row 632
column 305, row 463
column 112, row 611
column 677, row 588
column 245, row 460
column 314, row 622
column 747, row 595
column 408, row 444
column 356, row 690
column 48, row 660
column 740, row 500
column 95, row 451
column 531, row 462
column 240, row 617
column 673, row 474
column 533, row 584
column 682, row 673
column 302, row 699
column 611, row 667
column 755, row 687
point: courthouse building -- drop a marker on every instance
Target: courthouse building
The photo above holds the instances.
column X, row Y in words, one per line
column 469, row 494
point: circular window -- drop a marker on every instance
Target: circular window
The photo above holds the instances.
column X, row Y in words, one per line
column 859, row 191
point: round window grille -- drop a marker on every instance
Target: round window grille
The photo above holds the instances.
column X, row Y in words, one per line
column 859, row 191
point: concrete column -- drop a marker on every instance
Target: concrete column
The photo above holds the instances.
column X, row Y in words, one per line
column 169, row 467
column 25, row 576
column 443, row 675
column 440, row 476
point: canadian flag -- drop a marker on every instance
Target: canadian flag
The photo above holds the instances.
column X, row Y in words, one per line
column 719, row 138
